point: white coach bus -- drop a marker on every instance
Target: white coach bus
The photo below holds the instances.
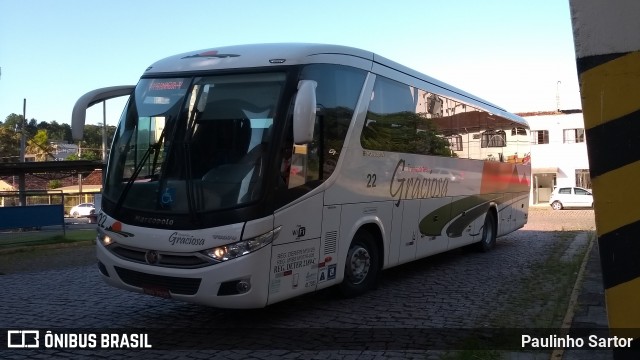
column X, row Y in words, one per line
column 246, row 175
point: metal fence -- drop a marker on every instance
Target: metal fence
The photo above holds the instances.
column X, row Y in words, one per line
column 47, row 197
column 41, row 219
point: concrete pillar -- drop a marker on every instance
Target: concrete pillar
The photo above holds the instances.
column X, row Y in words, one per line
column 607, row 44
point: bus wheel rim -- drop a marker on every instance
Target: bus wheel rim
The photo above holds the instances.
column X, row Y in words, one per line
column 359, row 265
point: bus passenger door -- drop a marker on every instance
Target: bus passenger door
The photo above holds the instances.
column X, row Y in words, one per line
column 435, row 214
column 409, row 210
column 295, row 252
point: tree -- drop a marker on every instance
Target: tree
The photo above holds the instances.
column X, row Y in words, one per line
column 13, row 122
column 10, row 132
column 39, row 145
column 9, row 144
column 93, row 140
column 57, row 132
column 32, row 128
column 55, row 183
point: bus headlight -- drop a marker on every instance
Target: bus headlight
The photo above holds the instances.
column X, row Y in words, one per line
column 244, row 247
column 104, row 239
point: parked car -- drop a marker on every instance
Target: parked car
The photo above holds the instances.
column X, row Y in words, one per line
column 452, row 175
column 564, row 197
column 84, row 209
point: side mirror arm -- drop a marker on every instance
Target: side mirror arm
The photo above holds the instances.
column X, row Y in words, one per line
column 91, row 98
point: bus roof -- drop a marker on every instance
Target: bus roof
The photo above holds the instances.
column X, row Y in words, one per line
column 276, row 54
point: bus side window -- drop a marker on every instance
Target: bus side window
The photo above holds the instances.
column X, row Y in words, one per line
column 299, row 171
column 285, row 166
column 336, row 96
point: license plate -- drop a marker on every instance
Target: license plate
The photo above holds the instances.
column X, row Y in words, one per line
column 157, row 291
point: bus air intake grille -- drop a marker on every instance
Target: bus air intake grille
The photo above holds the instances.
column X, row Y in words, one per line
column 176, row 285
column 330, row 242
column 165, row 259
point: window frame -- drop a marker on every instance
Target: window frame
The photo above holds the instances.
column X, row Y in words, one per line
column 535, row 137
column 493, row 139
column 578, row 136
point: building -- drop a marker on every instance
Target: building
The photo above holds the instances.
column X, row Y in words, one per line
column 558, row 152
column 62, row 149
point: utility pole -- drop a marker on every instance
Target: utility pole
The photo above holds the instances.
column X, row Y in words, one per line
column 104, row 132
column 23, row 137
column 558, row 95
column 23, row 140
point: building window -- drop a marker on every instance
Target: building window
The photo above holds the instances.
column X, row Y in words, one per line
column 518, row 131
column 571, row 136
column 540, row 136
column 492, row 138
column 456, row 142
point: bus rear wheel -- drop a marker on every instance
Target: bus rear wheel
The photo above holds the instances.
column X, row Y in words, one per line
column 362, row 265
column 489, row 233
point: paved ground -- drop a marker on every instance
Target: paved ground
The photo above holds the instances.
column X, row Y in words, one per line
column 509, row 287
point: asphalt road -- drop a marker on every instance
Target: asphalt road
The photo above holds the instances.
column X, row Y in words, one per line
column 60, row 290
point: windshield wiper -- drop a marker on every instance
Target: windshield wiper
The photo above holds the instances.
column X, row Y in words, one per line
column 136, row 171
column 186, row 146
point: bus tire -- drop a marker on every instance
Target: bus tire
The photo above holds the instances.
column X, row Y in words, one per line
column 488, row 240
column 362, row 265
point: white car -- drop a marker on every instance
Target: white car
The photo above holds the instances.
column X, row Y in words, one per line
column 84, row 209
column 452, row 175
column 564, row 197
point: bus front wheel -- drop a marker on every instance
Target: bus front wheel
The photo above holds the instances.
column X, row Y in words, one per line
column 361, row 266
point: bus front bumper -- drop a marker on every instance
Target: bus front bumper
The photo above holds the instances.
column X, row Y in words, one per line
column 240, row 283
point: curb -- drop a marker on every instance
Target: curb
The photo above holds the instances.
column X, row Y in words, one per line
column 575, row 293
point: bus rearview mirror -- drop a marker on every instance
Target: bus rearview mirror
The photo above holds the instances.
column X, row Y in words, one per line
column 304, row 112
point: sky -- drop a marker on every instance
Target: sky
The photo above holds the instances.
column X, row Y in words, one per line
column 516, row 54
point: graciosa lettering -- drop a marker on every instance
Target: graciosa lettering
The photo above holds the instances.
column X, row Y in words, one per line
column 417, row 187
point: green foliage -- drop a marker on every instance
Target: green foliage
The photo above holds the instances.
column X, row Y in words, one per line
column 56, row 132
column 13, row 122
column 92, row 143
column 404, row 132
column 9, row 144
column 91, row 155
column 54, row 184
column 39, row 145
column 40, row 134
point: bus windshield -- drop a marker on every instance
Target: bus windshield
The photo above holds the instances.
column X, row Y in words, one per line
column 197, row 144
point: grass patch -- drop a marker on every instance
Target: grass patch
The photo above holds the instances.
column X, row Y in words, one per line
column 542, row 297
column 474, row 350
column 35, row 238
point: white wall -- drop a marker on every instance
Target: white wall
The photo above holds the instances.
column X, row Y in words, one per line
column 566, row 157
